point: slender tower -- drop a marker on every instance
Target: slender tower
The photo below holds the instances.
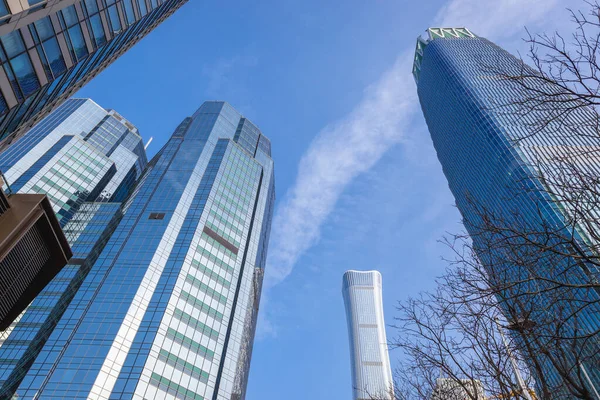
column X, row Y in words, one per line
column 370, row 361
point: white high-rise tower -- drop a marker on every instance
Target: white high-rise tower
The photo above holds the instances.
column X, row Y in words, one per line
column 370, row 362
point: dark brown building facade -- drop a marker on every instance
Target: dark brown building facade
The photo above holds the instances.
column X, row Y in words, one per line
column 33, row 249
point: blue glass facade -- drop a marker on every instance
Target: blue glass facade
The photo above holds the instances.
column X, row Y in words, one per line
column 46, row 61
column 493, row 161
column 169, row 308
column 87, row 234
column 81, row 152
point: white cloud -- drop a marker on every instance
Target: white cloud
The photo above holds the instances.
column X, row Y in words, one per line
column 351, row 146
column 339, row 153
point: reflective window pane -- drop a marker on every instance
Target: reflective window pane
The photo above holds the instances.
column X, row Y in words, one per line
column 44, row 28
column 25, row 74
column 3, row 9
column 97, row 30
column 13, row 81
column 129, row 11
column 92, row 6
column 78, row 42
column 114, row 19
column 55, row 58
column 143, row 9
column 3, row 106
column 13, row 43
column 70, row 15
column 45, row 63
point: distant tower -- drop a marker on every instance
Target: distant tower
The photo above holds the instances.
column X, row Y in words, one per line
column 370, row 362
column 452, row 389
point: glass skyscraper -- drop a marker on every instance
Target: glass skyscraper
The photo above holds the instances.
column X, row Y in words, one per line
column 168, row 309
column 495, row 158
column 80, row 152
column 51, row 48
column 87, row 233
column 370, row 361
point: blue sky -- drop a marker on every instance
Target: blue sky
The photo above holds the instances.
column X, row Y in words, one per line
column 358, row 182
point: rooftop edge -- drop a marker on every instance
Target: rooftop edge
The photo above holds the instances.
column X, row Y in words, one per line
column 432, row 34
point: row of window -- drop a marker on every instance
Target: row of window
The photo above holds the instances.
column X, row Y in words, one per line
column 19, row 68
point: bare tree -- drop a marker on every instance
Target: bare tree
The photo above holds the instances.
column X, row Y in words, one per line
column 482, row 326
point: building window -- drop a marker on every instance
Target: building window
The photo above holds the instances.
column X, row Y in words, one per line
column 129, row 14
column 19, row 68
column 49, row 51
column 70, row 16
column 97, row 30
column 3, row 9
column 55, row 57
column 114, row 19
column 73, row 33
column 44, row 29
column 25, row 75
column 78, row 43
column 156, row 216
column 91, row 6
column 3, row 105
column 143, row 8
column 13, row 44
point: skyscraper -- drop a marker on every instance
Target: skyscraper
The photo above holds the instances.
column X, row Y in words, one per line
column 50, row 49
column 496, row 159
column 80, row 152
column 87, row 233
column 370, row 362
column 168, row 309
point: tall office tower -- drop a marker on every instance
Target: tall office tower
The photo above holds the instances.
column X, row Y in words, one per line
column 33, row 249
column 169, row 308
column 51, row 48
column 370, row 361
column 20, row 344
column 80, row 152
column 495, row 159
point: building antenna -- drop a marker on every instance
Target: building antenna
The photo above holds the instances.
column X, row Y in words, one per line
column 148, row 144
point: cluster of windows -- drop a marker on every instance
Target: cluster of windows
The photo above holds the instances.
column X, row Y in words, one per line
column 71, row 177
column 43, row 160
column 67, row 111
column 173, row 388
column 247, row 136
column 48, row 48
column 183, row 366
column 74, row 22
